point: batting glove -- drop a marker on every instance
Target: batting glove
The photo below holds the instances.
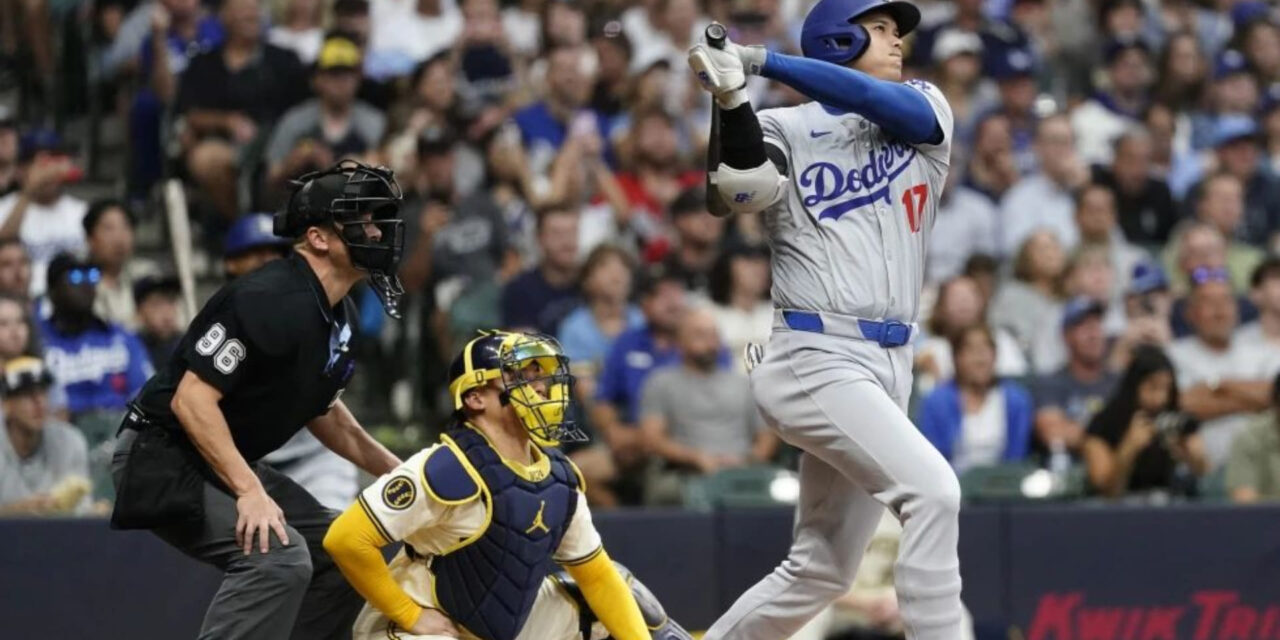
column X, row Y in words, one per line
column 752, row 56
column 721, row 73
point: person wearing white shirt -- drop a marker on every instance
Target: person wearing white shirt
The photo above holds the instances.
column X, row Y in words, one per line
column 965, row 225
column 412, row 30
column 1107, row 114
column 1043, row 199
column 1223, row 379
column 299, row 30
column 1262, row 336
column 41, row 214
column 1096, row 219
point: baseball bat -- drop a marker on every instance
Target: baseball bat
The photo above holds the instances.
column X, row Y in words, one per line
column 715, row 35
column 175, row 207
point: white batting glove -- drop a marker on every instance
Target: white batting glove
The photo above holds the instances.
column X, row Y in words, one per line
column 721, row 73
column 752, row 56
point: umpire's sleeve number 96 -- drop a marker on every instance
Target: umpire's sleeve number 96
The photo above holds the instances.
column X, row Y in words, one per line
column 226, row 358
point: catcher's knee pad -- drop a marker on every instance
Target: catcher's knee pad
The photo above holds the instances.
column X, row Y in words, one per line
column 661, row 626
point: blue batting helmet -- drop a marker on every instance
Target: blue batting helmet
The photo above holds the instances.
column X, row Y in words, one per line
column 831, row 32
column 250, row 232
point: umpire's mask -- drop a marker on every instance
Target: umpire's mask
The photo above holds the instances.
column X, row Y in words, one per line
column 362, row 203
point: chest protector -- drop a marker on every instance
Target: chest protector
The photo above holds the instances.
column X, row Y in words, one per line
column 489, row 585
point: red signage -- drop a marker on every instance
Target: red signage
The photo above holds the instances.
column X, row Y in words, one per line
column 1206, row 615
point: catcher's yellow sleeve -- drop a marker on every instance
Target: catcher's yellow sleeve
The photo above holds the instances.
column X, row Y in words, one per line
column 609, row 597
column 354, row 542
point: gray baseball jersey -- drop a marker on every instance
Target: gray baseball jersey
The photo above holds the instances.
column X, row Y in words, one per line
column 850, row 232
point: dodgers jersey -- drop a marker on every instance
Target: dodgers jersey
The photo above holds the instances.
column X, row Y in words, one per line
column 849, row 232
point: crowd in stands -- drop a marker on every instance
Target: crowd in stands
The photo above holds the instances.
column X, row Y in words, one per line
column 1102, row 293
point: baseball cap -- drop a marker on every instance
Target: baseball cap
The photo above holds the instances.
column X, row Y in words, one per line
column 1229, row 63
column 36, row 140
column 148, row 286
column 1231, row 128
column 691, row 200
column 65, row 263
column 1016, row 62
column 24, row 373
column 250, row 232
column 1147, row 277
column 1116, row 46
column 650, row 278
column 339, row 54
column 1079, row 309
column 1245, row 13
column 954, row 42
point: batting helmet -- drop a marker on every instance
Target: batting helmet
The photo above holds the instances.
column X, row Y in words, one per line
column 250, row 232
column 831, row 32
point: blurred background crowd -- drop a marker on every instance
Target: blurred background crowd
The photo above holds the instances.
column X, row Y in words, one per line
column 1103, row 291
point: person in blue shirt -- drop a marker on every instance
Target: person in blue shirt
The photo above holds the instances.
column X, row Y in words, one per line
column 563, row 112
column 99, row 365
column 977, row 420
column 588, row 332
column 539, row 298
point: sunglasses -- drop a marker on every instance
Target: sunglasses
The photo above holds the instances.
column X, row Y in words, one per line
column 1205, row 275
column 89, row 275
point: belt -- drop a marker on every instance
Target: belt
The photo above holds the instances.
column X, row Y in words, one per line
column 886, row 333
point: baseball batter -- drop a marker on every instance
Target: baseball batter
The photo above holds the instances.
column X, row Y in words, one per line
column 486, row 515
column 848, row 185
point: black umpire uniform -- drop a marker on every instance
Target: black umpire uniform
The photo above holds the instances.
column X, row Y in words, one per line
column 281, row 356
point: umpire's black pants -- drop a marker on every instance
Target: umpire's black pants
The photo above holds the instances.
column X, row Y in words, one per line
column 293, row 591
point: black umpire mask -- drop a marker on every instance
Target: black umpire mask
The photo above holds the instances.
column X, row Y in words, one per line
column 361, row 203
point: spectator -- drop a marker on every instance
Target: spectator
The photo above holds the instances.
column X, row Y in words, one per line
column 1166, row 140
column 1233, row 93
column 1182, row 72
column 403, row 33
column 957, row 60
column 698, row 417
column 41, row 214
column 159, row 317
column 977, row 420
column 992, row 167
column 1099, row 120
column 965, row 225
column 1203, row 246
column 1148, row 308
column 299, row 29
column 1043, row 199
column 330, row 126
column 1067, row 399
column 960, row 306
column 654, row 176
column 1260, row 42
column 542, row 296
column 1029, row 306
column 44, row 462
column 588, row 332
column 1237, row 153
column 984, row 271
column 1147, row 214
column 1140, row 440
column 613, row 83
column 1263, row 334
column 615, row 409
column 1014, row 73
column 432, row 104
column 1220, row 203
column 698, row 237
column 15, row 269
column 1096, row 220
column 1090, row 273
column 108, row 226
column 998, row 36
column 251, row 243
column 1222, row 379
column 179, row 30
column 229, row 97
column 1253, row 468
column 99, row 364
column 740, row 296
column 15, row 329
column 563, row 112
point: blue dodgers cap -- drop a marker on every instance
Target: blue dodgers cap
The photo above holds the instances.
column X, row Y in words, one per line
column 1080, row 308
column 1231, row 128
column 1116, row 46
column 1228, row 63
column 1147, row 277
column 1015, row 62
column 250, row 232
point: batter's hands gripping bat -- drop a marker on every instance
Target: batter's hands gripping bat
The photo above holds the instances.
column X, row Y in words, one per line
column 715, row 35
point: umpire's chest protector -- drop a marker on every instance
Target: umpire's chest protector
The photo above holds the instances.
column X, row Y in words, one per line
column 489, row 585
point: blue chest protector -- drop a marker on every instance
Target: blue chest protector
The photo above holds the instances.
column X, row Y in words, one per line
column 489, row 585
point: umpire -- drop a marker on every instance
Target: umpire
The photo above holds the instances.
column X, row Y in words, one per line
column 270, row 351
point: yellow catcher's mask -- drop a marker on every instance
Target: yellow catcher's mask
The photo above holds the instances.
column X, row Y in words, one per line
column 535, row 379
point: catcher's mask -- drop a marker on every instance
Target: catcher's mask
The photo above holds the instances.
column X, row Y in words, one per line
column 533, row 374
column 362, row 204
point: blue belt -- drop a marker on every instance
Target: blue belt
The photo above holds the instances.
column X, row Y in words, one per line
column 886, row 333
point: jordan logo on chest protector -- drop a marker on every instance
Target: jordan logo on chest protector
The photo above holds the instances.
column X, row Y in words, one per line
column 537, row 520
